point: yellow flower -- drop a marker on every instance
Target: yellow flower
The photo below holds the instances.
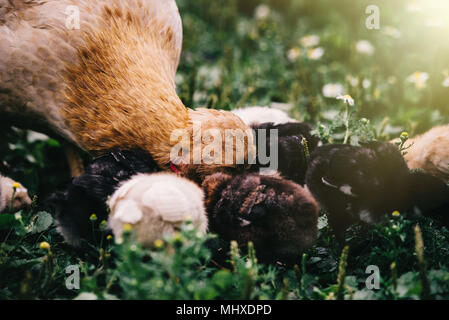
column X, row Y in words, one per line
column 109, row 237
column 158, row 243
column 17, row 185
column 44, row 245
column 396, row 213
column 93, row 217
column 177, row 237
column 127, row 227
column 404, row 136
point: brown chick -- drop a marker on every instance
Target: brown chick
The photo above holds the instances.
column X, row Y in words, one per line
column 277, row 215
column 430, row 152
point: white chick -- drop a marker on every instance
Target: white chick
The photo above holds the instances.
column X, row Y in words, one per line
column 156, row 205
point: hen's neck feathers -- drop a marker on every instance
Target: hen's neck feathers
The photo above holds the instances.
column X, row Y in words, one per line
column 125, row 75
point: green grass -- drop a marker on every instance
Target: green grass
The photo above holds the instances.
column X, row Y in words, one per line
column 232, row 58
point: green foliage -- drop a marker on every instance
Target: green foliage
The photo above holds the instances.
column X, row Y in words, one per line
column 239, row 53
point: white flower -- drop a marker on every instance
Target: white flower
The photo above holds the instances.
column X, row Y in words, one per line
column 332, row 90
column 446, row 82
column 366, row 83
column 365, row 47
column 392, row 32
column 315, row 54
column 310, row 40
column 262, row 12
column 419, row 79
column 434, row 23
column 346, row 99
column 293, row 53
column 353, row 81
column 414, row 6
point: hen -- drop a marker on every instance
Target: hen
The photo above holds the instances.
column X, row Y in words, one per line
column 107, row 84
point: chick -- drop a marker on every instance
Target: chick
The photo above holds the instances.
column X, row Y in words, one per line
column 362, row 184
column 87, row 194
column 430, row 152
column 156, row 205
column 294, row 144
column 277, row 215
column 13, row 196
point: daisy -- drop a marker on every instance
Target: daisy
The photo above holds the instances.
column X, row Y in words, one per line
column 346, row 99
column 419, row 79
column 315, row 54
column 365, row 47
column 332, row 90
column 262, row 12
column 310, row 40
column 446, row 82
column 293, row 53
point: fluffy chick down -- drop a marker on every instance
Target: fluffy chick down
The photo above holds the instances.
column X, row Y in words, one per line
column 156, row 205
column 277, row 215
column 430, row 152
column 10, row 189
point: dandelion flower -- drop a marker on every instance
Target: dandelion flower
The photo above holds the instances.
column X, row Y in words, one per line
column 93, row 217
column 404, row 136
column 315, row 54
column 310, row 41
column 396, row 213
column 103, row 225
column 365, row 47
column 127, row 227
column 44, row 245
column 109, row 237
column 16, row 185
column 346, row 99
column 158, row 243
column 262, row 12
column 419, row 79
column 293, row 53
column 332, row 90
column 177, row 237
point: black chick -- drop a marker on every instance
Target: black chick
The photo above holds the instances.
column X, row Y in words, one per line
column 87, row 194
column 292, row 158
column 362, row 184
column 277, row 215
